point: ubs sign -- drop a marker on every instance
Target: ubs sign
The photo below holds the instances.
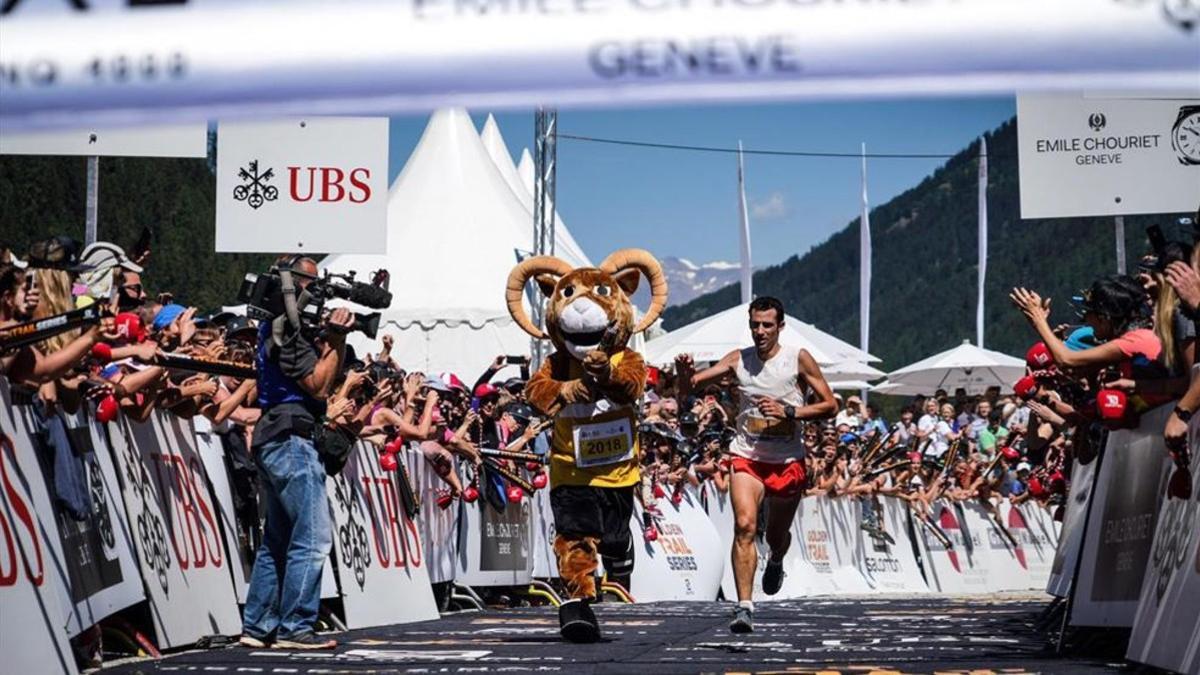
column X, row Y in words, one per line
column 314, row 185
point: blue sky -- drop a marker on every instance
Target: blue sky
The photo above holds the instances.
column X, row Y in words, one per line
column 684, row 204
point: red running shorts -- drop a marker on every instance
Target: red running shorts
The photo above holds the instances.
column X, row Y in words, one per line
column 784, row 481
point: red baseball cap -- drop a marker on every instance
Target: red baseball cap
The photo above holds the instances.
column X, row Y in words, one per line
column 1010, row 454
column 129, row 327
column 1025, row 387
column 484, row 390
column 652, row 375
column 451, row 380
column 1111, row 404
column 1039, row 357
column 914, row 456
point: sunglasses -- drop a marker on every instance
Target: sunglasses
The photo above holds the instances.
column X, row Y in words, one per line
column 762, row 324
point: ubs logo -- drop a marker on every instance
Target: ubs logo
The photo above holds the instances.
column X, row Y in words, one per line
column 254, row 189
column 1097, row 121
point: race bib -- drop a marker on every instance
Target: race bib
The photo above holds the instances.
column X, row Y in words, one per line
column 768, row 428
column 603, row 443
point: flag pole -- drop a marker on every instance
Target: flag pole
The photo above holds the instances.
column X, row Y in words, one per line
column 864, row 267
column 747, row 271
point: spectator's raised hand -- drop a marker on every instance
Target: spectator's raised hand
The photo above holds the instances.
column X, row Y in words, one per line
column 186, row 325
column 684, row 366
column 1186, row 282
column 32, row 297
column 145, row 351
column 198, row 385
column 354, row 380
column 340, row 410
column 1031, row 304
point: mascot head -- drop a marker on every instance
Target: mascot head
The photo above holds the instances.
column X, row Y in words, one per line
column 583, row 303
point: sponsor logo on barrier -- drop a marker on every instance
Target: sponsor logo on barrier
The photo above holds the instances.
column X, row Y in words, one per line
column 949, row 524
column 1020, row 531
column 189, row 511
column 679, row 555
column 818, row 550
column 1172, row 545
column 20, row 509
column 352, row 536
column 397, row 544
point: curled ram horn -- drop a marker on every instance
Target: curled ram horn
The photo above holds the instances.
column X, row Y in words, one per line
column 523, row 272
column 644, row 262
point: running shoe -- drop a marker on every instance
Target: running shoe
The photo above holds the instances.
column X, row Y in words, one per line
column 305, row 641
column 772, row 579
column 743, row 620
column 252, row 642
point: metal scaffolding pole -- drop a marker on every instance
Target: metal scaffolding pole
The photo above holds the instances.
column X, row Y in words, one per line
column 545, row 154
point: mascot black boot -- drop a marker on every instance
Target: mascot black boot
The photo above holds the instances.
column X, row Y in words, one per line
column 590, row 387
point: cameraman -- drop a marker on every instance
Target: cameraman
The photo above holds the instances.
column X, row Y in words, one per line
column 295, row 375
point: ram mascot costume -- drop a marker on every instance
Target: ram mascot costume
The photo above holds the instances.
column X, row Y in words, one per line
column 590, row 386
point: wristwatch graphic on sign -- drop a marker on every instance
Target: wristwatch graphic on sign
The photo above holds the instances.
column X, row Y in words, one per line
column 1185, row 135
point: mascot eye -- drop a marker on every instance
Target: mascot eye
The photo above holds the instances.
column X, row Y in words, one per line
column 568, row 291
column 603, row 291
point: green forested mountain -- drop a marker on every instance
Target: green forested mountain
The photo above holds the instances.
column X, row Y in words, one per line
column 45, row 196
column 925, row 245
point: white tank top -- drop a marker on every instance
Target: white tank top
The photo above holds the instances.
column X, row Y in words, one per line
column 768, row 439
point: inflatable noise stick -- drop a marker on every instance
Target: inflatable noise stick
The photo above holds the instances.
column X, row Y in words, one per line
column 510, row 476
column 515, row 456
column 210, row 366
column 951, row 457
column 878, row 445
column 885, row 468
column 936, row 531
column 32, row 332
column 1003, row 530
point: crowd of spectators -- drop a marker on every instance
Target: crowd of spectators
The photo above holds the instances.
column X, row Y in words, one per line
column 1132, row 348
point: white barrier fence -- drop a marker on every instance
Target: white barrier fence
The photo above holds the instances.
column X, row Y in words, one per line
column 161, row 526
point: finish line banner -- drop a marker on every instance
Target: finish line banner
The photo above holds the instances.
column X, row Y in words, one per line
column 205, row 60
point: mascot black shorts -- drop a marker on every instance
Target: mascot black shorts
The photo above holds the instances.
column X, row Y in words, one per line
column 585, row 511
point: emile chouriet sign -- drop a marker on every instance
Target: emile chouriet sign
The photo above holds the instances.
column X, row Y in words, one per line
column 121, row 61
column 1085, row 155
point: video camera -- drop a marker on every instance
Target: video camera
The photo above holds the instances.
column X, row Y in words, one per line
column 264, row 297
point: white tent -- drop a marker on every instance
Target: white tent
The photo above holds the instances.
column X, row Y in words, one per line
column 455, row 230
column 565, row 246
column 713, row 337
column 965, row 366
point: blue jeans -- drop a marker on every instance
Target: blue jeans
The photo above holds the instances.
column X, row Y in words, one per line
column 285, row 585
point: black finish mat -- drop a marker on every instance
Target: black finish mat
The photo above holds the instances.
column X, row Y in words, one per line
column 847, row 635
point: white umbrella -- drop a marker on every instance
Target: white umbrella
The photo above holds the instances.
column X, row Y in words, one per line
column 893, row 389
column 711, row 338
column 965, row 366
column 851, row 370
column 849, row 385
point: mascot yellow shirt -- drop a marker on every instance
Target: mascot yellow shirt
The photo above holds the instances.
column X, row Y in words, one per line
column 595, row 443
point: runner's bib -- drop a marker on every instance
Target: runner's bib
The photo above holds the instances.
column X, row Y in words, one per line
column 759, row 428
column 603, row 443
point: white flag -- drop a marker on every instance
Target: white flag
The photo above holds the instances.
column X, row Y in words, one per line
column 983, row 234
column 864, row 264
column 747, row 270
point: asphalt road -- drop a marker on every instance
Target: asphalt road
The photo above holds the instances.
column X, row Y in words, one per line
column 825, row 635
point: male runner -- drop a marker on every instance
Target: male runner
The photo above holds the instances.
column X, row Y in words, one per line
column 774, row 387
